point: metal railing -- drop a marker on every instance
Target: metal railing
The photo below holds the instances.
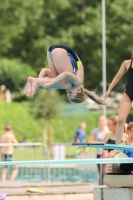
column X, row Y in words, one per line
column 52, row 173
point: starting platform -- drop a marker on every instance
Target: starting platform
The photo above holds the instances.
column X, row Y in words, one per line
column 105, row 193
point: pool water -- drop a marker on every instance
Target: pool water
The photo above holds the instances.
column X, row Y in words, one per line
column 55, row 175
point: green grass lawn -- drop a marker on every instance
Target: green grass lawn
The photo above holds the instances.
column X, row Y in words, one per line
column 28, row 153
column 38, row 153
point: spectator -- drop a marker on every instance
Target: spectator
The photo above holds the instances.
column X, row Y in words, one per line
column 80, row 137
column 97, row 136
column 129, row 141
column 7, row 152
column 110, row 138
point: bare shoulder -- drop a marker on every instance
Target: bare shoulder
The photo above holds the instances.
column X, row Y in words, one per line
column 126, row 63
column 14, row 140
column 12, row 135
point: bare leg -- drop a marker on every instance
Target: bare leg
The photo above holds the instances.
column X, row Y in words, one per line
column 43, row 73
column 61, row 60
column 52, row 66
column 14, row 174
column 32, row 84
column 28, row 87
column 59, row 64
column 124, row 109
column 4, row 173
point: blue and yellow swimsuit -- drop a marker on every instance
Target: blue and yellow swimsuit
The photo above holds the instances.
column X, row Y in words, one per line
column 76, row 63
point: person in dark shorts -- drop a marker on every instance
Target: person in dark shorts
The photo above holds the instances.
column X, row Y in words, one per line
column 7, row 152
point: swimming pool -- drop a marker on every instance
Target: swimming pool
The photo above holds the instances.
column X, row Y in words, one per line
column 69, row 174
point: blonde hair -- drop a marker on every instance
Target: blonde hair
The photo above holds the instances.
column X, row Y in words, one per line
column 82, row 125
column 81, row 97
column 114, row 119
column 125, row 127
column 130, row 126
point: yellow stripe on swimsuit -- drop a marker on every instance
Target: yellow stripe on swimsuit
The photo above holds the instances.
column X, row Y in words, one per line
column 79, row 63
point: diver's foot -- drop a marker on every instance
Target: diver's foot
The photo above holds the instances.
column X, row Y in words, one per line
column 31, row 87
column 28, row 86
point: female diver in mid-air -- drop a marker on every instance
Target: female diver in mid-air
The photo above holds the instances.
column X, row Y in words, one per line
column 65, row 72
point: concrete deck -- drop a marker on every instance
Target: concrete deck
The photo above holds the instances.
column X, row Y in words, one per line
column 56, row 191
column 105, row 193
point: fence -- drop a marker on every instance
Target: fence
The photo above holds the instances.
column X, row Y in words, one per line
column 52, row 173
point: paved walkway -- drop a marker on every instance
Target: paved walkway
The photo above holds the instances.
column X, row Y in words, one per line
column 21, row 188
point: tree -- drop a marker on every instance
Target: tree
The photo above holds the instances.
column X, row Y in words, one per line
column 13, row 74
column 20, row 31
column 46, row 106
column 35, row 25
column 119, row 40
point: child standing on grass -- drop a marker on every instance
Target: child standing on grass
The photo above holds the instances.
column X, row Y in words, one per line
column 7, row 152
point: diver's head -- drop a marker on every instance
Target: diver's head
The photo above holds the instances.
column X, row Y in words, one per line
column 76, row 94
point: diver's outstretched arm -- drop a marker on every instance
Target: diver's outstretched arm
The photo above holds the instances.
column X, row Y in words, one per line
column 69, row 77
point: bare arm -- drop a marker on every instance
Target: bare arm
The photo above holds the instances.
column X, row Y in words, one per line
column 106, row 138
column 47, row 81
column 63, row 85
column 67, row 76
column 92, row 138
column 105, row 142
column 116, row 79
column 14, row 139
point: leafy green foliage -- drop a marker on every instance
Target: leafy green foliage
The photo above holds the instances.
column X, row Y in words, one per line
column 28, row 28
column 20, row 27
column 20, row 116
column 46, row 104
column 119, row 41
column 13, row 73
column 66, row 126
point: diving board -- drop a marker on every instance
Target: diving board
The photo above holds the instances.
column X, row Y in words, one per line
column 69, row 161
column 105, row 146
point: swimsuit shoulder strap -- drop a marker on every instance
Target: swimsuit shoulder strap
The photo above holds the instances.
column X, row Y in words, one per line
column 131, row 62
